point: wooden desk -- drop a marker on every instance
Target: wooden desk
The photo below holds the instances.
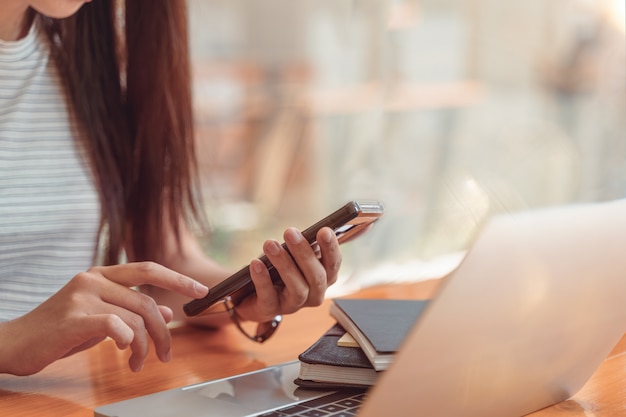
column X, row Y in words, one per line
column 74, row 386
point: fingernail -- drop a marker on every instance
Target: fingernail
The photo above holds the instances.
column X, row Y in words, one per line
column 273, row 247
column 293, row 236
column 257, row 266
column 168, row 356
column 327, row 236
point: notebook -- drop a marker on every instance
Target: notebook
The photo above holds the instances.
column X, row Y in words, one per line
column 523, row 322
column 375, row 328
column 379, row 326
column 326, row 364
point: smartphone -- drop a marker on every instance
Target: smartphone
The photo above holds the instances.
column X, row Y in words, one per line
column 347, row 222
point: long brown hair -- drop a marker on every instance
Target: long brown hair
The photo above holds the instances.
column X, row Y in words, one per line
column 125, row 68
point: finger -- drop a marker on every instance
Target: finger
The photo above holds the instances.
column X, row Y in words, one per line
column 309, row 264
column 331, row 257
column 100, row 326
column 166, row 313
column 295, row 293
column 267, row 297
column 139, row 344
column 139, row 311
column 142, row 314
column 140, row 273
column 87, row 331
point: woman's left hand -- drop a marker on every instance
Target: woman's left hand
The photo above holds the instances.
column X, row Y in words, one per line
column 305, row 273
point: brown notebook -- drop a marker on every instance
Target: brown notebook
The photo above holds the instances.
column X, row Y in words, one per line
column 327, row 365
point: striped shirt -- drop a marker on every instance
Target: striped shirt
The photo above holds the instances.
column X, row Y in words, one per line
column 49, row 209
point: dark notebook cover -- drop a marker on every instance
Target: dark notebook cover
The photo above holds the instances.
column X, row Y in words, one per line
column 325, row 365
column 378, row 325
column 385, row 323
column 326, row 352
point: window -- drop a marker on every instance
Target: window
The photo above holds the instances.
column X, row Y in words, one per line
column 447, row 111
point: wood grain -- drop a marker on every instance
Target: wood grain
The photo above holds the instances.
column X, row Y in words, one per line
column 76, row 385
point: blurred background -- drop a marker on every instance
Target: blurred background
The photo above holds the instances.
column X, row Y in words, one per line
column 447, row 111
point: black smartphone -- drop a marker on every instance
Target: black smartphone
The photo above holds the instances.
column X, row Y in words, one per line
column 347, row 222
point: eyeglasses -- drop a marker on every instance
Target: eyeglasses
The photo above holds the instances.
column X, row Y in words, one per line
column 264, row 330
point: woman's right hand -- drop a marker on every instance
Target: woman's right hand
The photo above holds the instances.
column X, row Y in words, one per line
column 93, row 305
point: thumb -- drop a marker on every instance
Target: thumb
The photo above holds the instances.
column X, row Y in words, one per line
column 166, row 313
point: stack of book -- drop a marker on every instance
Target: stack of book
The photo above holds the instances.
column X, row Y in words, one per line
column 360, row 345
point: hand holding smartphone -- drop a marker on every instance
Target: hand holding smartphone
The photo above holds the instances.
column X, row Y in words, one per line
column 348, row 222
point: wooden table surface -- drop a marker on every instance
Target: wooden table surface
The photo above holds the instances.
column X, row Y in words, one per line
column 74, row 386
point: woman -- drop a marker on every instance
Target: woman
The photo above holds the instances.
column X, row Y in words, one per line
column 96, row 154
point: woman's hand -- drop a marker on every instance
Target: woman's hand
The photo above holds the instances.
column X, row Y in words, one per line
column 94, row 305
column 305, row 273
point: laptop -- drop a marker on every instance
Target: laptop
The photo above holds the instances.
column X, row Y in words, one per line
column 530, row 313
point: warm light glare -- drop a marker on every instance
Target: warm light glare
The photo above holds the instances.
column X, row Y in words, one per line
column 617, row 13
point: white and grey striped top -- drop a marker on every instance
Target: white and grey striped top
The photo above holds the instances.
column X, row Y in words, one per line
column 49, row 210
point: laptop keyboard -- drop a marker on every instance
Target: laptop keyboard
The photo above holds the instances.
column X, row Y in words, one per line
column 339, row 404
